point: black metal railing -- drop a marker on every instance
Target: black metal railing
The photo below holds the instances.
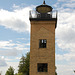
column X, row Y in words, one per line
column 35, row 14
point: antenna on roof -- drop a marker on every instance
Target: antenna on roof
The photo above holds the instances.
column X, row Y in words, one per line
column 44, row 2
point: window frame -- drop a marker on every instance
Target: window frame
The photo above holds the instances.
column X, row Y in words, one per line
column 44, row 67
column 41, row 45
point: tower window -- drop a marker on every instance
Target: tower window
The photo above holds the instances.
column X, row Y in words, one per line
column 42, row 43
column 42, row 67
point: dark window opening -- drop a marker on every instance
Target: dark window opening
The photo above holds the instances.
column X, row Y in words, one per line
column 42, row 43
column 42, row 67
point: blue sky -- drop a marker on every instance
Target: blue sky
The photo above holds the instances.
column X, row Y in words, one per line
column 15, row 33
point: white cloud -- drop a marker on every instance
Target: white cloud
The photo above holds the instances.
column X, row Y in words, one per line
column 65, row 31
column 13, row 64
column 17, row 20
column 22, row 38
column 2, row 62
column 6, row 44
column 70, row 5
column 67, row 5
column 66, row 0
column 10, row 59
column 28, row 44
column 69, row 57
column 65, row 37
column 65, row 69
column 15, row 6
column 9, row 48
column 10, row 52
column 18, row 57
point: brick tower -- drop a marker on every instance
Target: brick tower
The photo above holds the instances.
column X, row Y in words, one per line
column 42, row 45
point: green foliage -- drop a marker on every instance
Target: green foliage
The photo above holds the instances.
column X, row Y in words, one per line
column 24, row 64
column 19, row 74
column 15, row 73
column 10, row 71
column 55, row 71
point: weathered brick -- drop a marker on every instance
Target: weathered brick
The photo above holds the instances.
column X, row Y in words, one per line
column 42, row 30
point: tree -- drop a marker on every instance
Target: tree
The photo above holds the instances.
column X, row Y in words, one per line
column 24, row 64
column 55, row 71
column 0, row 72
column 10, row 71
column 15, row 73
column 19, row 74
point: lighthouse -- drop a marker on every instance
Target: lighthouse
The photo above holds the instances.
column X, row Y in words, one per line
column 42, row 40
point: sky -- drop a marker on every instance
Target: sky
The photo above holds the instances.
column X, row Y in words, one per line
column 15, row 33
